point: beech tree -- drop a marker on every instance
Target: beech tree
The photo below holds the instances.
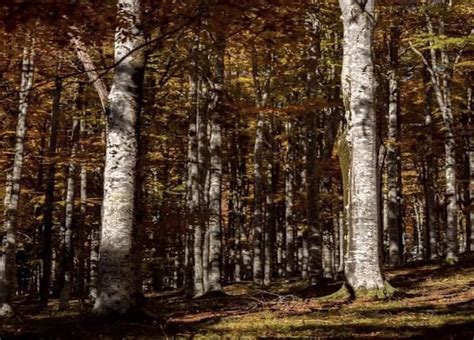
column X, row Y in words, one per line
column 363, row 269
column 12, row 196
column 116, row 284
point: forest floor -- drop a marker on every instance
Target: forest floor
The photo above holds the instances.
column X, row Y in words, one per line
column 433, row 301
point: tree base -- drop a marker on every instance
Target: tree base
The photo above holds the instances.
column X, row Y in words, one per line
column 6, row 311
column 386, row 292
column 342, row 294
column 451, row 260
column 211, row 295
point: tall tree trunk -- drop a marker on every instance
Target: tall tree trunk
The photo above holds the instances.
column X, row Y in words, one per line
column 67, row 251
column 192, row 201
column 289, row 194
column 94, row 261
column 257, row 265
column 451, row 196
column 81, row 238
column 327, row 252
column 262, row 90
column 314, row 236
column 46, row 240
column 12, row 194
column 363, row 269
column 200, row 228
column 469, row 196
column 270, row 220
column 116, row 284
column 239, row 167
column 393, row 154
column 215, row 228
column 431, row 227
column 452, row 246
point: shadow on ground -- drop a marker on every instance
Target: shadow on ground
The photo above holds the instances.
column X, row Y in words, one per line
column 438, row 302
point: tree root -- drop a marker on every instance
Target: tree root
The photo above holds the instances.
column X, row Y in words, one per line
column 342, row 294
column 386, row 292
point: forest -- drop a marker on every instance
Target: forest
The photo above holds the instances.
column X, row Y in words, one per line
column 236, row 169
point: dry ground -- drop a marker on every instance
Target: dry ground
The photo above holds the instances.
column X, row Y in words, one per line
column 433, row 301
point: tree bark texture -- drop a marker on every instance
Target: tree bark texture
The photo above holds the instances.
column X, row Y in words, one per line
column 116, row 284
column 12, row 195
column 363, row 270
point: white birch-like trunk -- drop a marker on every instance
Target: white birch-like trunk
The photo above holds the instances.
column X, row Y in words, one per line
column 68, row 223
column 470, row 156
column 94, row 261
column 116, row 283
column 192, row 199
column 199, row 230
column 215, row 187
column 269, row 224
column 289, row 193
column 431, row 227
column 12, row 195
column 327, row 253
column 257, row 264
column 363, row 270
column 81, row 238
column 394, row 168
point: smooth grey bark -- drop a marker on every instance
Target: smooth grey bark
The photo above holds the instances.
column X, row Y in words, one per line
column 81, row 238
column 340, row 244
column 192, row 201
column 116, row 284
column 257, row 264
column 82, row 235
column 238, row 169
column 216, row 92
column 200, row 228
column 67, row 249
column 304, row 256
column 67, row 256
column 289, row 202
column 94, row 261
column 280, row 249
column 418, row 224
column 363, row 270
column 262, row 88
column 46, row 237
column 12, row 194
column 268, row 228
column 201, row 236
column 327, row 254
column 431, row 226
column 302, row 234
column 393, row 161
column 469, row 196
column 270, row 224
column 234, row 263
